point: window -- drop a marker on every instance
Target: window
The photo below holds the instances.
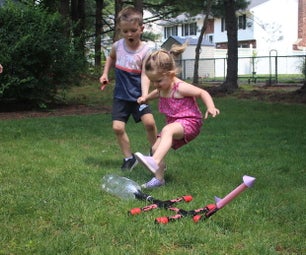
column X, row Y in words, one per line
column 211, row 39
column 189, row 29
column 242, row 22
column 168, row 31
column 223, row 25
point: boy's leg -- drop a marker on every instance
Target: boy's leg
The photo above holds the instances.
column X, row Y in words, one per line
column 129, row 161
column 120, row 115
column 122, row 137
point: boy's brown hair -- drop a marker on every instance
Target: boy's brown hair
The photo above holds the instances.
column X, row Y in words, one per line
column 130, row 14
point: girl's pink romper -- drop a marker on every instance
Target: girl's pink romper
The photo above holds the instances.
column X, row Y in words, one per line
column 185, row 111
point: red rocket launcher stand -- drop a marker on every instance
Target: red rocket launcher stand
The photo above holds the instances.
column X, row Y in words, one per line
column 197, row 214
column 208, row 210
column 157, row 203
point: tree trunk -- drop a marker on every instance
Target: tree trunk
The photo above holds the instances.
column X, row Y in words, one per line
column 302, row 90
column 64, row 11
column 78, row 19
column 198, row 48
column 118, row 8
column 197, row 54
column 231, row 81
column 99, row 6
column 64, row 8
column 139, row 5
column 51, row 5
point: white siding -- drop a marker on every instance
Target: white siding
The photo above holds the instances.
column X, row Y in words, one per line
column 273, row 24
column 276, row 26
column 206, row 68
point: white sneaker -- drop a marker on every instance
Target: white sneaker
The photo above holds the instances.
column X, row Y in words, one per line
column 153, row 183
column 147, row 161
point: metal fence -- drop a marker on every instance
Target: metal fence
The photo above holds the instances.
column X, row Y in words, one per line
column 252, row 68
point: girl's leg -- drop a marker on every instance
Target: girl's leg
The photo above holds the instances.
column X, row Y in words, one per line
column 169, row 132
column 162, row 166
column 160, row 149
column 150, row 127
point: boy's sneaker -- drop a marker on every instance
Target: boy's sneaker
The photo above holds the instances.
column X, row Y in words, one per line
column 153, row 183
column 129, row 164
column 147, row 161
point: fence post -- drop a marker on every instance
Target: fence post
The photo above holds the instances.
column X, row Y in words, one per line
column 270, row 66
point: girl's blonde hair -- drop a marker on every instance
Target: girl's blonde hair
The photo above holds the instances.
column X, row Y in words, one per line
column 163, row 61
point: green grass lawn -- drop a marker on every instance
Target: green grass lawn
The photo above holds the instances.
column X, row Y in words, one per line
column 51, row 201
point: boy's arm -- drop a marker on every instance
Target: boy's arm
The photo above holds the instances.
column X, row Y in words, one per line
column 110, row 60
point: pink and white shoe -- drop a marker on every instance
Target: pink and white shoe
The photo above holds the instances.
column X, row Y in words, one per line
column 147, row 161
column 153, row 183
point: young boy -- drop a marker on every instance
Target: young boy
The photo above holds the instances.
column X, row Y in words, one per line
column 127, row 56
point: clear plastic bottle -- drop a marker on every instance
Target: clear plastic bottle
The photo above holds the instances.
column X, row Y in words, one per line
column 120, row 186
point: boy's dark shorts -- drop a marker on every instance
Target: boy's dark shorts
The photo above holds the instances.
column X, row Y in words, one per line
column 122, row 110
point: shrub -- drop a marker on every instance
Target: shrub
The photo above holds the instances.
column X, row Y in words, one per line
column 304, row 69
column 37, row 57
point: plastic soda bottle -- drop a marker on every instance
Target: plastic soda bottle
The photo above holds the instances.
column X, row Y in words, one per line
column 120, row 186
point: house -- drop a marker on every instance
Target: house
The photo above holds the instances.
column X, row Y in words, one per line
column 185, row 28
column 207, row 52
column 300, row 44
column 265, row 25
column 267, row 28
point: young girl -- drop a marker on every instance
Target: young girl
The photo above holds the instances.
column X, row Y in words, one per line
column 177, row 101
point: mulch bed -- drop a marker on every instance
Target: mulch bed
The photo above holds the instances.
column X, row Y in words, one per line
column 59, row 110
column 282, row 94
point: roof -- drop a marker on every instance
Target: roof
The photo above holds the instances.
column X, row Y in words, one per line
column 254, row 3
column 180, row 19
column 192, row 41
